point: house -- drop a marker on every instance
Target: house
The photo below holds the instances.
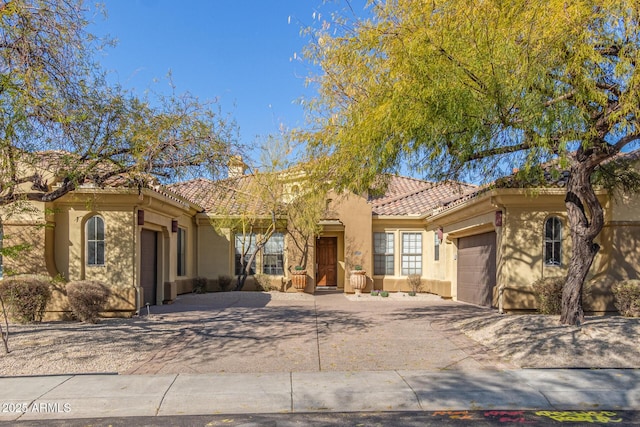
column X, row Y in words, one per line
column 484, row 246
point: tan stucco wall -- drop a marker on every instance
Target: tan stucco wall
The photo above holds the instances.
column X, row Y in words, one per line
column 70, row 250
column 30, row 229
column 355, row 214
column 522, row 255
column 434, row 273
column 58, row 237
column 215, row 252
column 520, row 246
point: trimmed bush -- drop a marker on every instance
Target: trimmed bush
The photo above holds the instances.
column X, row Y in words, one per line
column 415, row 283
column 25, row 298
column 87, row 299
column 224, row 282
column 199, row 285
column 548, row 293
column 627, row 297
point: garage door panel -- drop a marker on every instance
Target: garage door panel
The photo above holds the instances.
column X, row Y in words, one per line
column 477, row 268
column 148, row 266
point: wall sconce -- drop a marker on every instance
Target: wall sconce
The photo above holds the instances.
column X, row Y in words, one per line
column 174, row 225
column 140, row 217
column 498, row 219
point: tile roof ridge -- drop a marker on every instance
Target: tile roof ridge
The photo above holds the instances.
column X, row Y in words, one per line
column 189, row 181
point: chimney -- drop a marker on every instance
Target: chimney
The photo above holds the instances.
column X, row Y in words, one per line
column 237, row 167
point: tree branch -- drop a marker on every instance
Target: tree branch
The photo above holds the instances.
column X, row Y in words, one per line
column 498, row 151
column 627, row 139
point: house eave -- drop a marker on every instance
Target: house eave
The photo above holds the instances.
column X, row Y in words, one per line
column 397, row 217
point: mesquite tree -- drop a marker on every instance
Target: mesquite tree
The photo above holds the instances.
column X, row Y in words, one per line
column 459, row 87
column 62, row 125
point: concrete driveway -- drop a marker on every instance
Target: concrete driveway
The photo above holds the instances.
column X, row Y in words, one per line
column 258, row 332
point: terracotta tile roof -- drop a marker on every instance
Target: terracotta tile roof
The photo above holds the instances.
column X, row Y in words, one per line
column 551, row 176
column 403, row 195
column 230, row 196
column 410, row 196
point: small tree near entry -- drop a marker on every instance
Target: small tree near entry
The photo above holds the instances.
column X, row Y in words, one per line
column 250, row 209
column 305, row 208
column 462, row 87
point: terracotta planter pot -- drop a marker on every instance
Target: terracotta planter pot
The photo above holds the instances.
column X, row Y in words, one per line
column 358, row 280
column 299, row 279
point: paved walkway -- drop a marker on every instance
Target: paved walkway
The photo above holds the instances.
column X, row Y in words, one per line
column 97, row 396
column 246, row 333
column 238, row 355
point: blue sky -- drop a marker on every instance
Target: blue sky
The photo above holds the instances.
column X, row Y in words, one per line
column 240, row 52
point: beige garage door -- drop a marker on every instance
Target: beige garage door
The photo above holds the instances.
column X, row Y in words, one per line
column 477, row 268
column 148, row 266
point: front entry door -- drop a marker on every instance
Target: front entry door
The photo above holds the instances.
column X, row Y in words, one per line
column 327, row 259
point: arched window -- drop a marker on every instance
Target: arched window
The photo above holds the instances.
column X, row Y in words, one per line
column 95, row 241
column 553, row 241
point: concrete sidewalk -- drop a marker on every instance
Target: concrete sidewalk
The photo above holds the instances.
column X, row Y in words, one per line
column 93, row 396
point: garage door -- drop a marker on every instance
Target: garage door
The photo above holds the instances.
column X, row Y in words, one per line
column 477, row 268
column 148, row 266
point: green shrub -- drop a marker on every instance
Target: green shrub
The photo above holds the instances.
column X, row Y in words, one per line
column 263, row 283
column 548, row 293
column 87, row 299
column 415, row 282
column 224, row 282
column 627, row 297
column 200, row 285
column 25, row 298
column 384, row 294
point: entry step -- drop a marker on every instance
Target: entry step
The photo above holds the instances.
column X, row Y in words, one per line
column 326, row 288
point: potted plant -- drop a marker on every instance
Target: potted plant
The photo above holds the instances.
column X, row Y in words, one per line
column 358, row 279
column 299, row 278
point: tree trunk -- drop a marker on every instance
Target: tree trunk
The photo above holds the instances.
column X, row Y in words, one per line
column 586, row 220
column 246, row 269
column 241, row 279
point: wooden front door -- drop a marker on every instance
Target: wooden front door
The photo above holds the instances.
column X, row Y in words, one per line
column 327, row 260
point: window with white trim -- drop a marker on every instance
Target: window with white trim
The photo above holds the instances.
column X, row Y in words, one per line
column 182, row 252
column 553, row 241
column 411, row 260
column 245, row 245
column 95, row 241
column 383, row 258
column 436, row 246
column 273, row 255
